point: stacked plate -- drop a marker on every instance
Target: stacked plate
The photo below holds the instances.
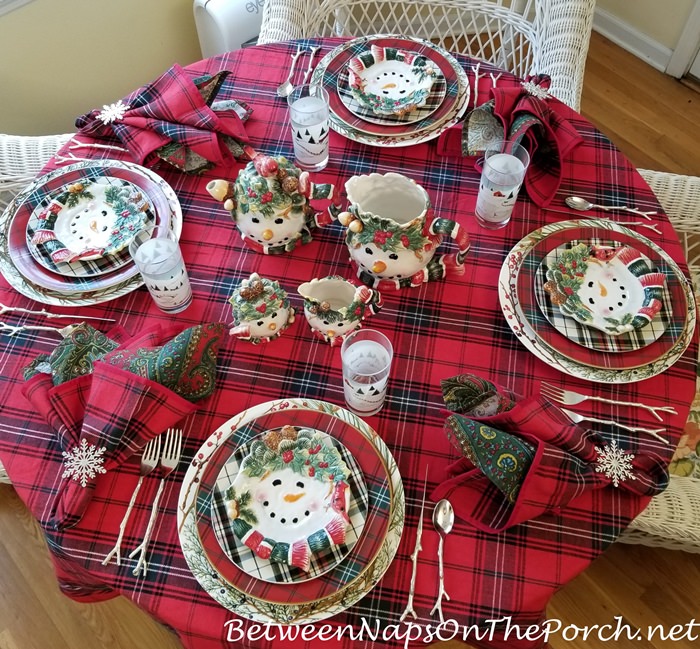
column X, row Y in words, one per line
column 250, row 478
column 64, row 239
column 392, row 91
column 647, row 305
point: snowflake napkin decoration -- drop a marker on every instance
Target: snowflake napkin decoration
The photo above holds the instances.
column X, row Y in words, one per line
column 615, row 463
column 84, row 462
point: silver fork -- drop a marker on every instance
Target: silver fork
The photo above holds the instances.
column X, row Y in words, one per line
column 577, row 419
column 168, row 462
column 571, row 398
column 149, row 461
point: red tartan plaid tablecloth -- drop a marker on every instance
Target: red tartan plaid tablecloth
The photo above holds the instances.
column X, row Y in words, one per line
column 438, row 330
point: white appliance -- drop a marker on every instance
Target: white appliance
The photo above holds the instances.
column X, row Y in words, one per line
column 226, row 25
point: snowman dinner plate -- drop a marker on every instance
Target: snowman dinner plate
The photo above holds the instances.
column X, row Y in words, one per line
column 609, row 288
column 313, row 599
column 88, row 219
column 431, row 104
column 449, row 112
column 74, row 286
column 516, row 288
column 391, row 81
column 282, row 504
column 590, row 337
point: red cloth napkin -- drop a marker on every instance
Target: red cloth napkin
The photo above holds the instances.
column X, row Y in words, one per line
column 565, row 461
column 170, row 117
column 528, row 115
column 104, row 417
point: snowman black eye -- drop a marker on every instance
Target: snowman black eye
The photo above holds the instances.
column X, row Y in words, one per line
column 274, row 315
column 276, row 483
column 368, row 250
column 266, row 503
column 259, row 323
column 278, row 221
column 255, row 219
column 340, row 324
column 300, row 485
column 393, row 255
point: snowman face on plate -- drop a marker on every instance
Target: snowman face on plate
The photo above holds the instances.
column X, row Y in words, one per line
column 271, row 230
column 287, row 505
column 610, row 290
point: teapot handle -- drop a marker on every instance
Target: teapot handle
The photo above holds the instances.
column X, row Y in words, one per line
column 453, row 262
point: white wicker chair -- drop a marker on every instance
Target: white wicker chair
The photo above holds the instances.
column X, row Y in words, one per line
column 21, row 159
column 523, row 36
column 672, row 519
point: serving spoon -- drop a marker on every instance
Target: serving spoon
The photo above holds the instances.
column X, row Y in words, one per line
column 582, row 205
column 443, row 520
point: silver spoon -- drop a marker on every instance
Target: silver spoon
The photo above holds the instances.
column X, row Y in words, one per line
column 286, row 87
column 581, row 204
column 443, row 520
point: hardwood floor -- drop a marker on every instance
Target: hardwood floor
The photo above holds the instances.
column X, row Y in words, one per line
column 654, row 120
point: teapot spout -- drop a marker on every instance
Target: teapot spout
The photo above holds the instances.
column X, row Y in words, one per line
column 222, row 191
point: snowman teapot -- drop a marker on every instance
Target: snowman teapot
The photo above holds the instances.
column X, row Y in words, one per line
column 269, row 203
column 392, row 235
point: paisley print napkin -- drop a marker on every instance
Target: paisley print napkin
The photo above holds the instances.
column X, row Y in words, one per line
column 522, row 457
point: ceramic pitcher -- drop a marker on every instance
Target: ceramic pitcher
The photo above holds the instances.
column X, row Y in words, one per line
column 393, row 236
column 334, row 307
column 269, row 203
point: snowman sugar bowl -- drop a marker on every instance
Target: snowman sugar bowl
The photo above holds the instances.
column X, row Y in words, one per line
column 261, row 310
column 269, row 203
column 334, row 307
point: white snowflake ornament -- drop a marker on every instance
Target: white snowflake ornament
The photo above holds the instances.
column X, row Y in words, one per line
column 112, row 112
column 83, row 462
column 615, row 463
column 535, row 90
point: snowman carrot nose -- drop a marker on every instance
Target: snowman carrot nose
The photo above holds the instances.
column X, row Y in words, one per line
column 292, row 498
column 267, row 235
column 272, row 326
column 378, row 267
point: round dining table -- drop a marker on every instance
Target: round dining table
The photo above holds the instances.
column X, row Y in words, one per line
column 499, row 582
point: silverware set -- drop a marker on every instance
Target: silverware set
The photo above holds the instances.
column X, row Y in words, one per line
column 443, row 520
column 150, row 460
column 286, row 87
column 571, row 398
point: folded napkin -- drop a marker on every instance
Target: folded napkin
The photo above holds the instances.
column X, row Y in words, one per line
column 176, row 119
column 522, row 457
column 115, row 399
column 526, row 114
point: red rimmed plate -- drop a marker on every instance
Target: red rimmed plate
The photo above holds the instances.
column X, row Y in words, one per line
column 589, row 355
column 16, row 218
column 514, row 305
column 337, row 589
column 332, row 66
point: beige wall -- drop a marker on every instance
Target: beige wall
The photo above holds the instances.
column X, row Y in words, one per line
column 61, row 58
column 662, row 21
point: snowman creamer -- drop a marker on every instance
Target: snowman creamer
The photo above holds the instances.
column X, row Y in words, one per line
column 269, row 202
column 261, row 310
